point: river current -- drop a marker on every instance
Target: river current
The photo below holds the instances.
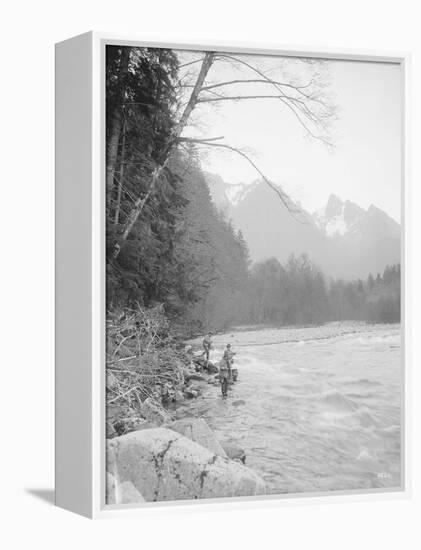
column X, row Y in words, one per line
column 315, row 409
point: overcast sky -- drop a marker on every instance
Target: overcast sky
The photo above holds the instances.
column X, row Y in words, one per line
column 365, row 163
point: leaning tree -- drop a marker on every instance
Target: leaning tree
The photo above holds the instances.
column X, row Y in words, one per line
column 188, row 85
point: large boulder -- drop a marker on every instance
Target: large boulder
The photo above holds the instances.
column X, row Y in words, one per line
column 197, row 430
column 128, row 494
column 110, row 489
column 121, row 493
column 164, row 465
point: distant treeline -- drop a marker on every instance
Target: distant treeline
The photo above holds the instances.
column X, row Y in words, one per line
column 168, row 244
column 299, row 293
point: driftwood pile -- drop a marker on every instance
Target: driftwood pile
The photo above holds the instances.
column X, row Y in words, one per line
column 144, row 362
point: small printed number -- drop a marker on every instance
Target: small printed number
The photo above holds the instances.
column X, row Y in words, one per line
column 383, row 475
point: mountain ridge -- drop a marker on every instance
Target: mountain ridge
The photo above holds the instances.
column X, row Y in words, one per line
column 344, row 239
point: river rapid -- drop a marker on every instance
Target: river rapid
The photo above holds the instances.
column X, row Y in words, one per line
column 315, row 409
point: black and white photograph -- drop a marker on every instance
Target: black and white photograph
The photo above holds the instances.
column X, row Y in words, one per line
column 253, row 275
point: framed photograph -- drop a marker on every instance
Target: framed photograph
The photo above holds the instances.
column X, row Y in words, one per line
column 230, row 319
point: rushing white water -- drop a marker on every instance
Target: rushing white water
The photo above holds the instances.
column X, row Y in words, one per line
column 316, row 409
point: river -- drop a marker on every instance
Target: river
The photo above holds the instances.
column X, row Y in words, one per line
column 315, row 409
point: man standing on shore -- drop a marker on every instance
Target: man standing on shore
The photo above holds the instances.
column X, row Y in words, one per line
column 207, row 345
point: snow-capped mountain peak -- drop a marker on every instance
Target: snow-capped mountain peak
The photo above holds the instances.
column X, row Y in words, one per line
column 237, row 192
column 334, row 207
column 338, row 217
column 227, row 195
column 342, row 238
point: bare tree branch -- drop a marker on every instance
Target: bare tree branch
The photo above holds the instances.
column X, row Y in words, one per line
column 191, row 63
column 278, row 86
column 286, row 201
column 266, row 81
column 262, row 96
column 206, row 140
column 284, row 99
column 258, row 81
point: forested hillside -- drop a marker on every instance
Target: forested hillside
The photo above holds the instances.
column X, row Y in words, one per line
column 180, row 251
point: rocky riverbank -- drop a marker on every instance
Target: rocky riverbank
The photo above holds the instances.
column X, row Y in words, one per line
column 163, row 397
column 149, row 369
column 163, row 458
column 152, row 455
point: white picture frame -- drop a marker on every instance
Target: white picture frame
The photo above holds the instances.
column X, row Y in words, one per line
column 80, row 275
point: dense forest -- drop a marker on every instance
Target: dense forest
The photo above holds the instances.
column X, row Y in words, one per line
column 168, row 245
column 298, row 293
column 180, row 252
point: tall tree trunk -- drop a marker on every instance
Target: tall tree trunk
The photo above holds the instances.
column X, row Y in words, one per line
column 112, row 152
column 116, row 126
column 172, row 143
column 120, row 177
column 140, row 203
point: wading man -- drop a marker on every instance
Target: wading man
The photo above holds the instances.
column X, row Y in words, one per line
column 228, row 358
column 223, row 376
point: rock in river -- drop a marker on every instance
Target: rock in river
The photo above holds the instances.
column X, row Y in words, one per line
column 195, row 376
column 234, row 452
column 192, row 391
column 197, row 430
column 164, row 465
